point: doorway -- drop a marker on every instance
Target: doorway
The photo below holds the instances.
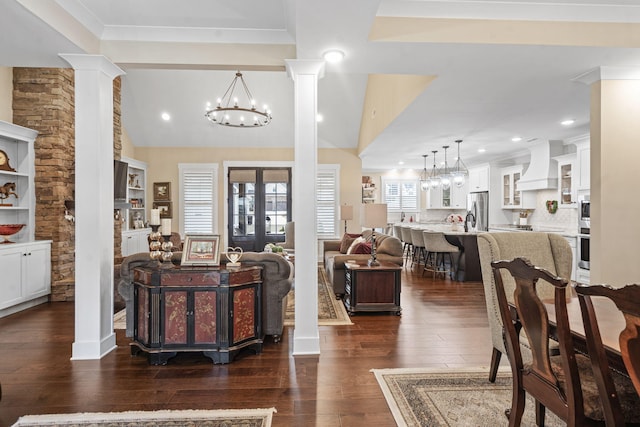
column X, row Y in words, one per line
column 259, row 206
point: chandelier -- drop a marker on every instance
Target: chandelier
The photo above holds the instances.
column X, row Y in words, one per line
column 459, row 170
column 228, row 111
column 445, row 175
column 434, row 181
column 424, row 176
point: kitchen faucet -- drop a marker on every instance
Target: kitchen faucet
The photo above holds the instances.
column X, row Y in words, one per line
column 466, row 221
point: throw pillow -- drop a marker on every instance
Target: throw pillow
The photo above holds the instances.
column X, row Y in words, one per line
column 346, row 241
column 362, row 248
column 356, row 242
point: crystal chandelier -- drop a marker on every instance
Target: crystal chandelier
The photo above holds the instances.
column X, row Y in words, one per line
column 445, row 175
column 424, row 176
column 459, row 170
column 228, row 111
column 434, row 181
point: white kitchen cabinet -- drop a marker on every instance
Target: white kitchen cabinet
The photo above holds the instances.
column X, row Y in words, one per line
column 583, row 165
column 26, row 275
column 567, row 193
column 479, row 179
column 511, row 197
column 451, row 198
column 135, row 241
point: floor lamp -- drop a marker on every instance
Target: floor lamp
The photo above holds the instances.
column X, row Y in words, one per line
column 374, row 215
column 346, row 213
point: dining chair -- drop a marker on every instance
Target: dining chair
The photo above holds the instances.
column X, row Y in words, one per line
column 564, row 383
column 627, row 299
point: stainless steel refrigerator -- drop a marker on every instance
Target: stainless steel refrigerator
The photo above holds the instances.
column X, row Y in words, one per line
column 478, row 205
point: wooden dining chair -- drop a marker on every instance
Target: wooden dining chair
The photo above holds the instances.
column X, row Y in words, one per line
column 627, row 299
column 562, row 383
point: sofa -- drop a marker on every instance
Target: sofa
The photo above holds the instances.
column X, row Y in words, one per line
column 277, row 281
column 388, row 248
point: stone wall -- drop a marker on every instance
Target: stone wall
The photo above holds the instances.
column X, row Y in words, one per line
column 43, row 99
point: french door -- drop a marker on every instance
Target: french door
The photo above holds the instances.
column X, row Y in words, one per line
column 259, row 206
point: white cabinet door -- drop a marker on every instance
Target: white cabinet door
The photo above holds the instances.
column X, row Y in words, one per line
column 567, row 195
column 434, row 199
column 134, row 241
column 11, row 268
column 459, row 196
column 584, row 167
column 511, row 197
column 479, row 179
column 37, row 274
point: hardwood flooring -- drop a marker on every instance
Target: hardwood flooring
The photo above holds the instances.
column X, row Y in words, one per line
column 443, row 324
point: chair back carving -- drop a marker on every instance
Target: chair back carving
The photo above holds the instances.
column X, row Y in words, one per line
column 627, row 299
column 528, row 312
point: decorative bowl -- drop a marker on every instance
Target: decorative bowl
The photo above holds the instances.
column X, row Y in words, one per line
column 7, row 230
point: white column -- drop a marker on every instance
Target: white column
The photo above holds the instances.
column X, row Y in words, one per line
column 305, row 75
column 94, row 74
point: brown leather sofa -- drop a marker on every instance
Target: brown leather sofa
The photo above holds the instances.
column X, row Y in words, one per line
column 277, row 280
column 388, row 248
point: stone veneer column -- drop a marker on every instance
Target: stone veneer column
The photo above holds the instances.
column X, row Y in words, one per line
column 94, row 75
column 305, row 75
column 43, row 99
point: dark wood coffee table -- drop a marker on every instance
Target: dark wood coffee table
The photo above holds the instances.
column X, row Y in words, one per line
column 372, row 289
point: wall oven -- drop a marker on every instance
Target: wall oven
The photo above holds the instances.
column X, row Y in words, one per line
column 584, row 235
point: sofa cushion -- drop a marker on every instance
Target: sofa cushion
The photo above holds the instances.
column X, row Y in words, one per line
column 356, row 242
column 346, row 241
column 362, row 248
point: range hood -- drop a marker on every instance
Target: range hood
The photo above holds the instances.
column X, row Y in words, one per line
column 542, row 173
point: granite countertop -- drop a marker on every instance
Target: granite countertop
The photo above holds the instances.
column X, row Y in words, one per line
column 534, row 227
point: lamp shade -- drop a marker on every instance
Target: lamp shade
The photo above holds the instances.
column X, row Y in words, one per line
column 346, row 212
column 374, row 215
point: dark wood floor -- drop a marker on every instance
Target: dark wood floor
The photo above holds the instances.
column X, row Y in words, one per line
column 443, row 324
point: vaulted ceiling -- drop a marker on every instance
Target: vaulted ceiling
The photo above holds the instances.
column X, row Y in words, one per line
column 417, row 75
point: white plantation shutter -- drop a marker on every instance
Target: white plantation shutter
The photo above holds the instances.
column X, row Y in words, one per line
column 327, row 200
column 401, row 195
column 198, row 191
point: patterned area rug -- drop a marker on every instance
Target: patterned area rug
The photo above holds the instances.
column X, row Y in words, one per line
column 190, row 418
column 331, row 312
column 454, row 397
column 120, row 319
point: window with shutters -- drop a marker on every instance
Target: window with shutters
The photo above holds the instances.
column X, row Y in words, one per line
column 327, row 200
column 198, row 198
column 400, row 195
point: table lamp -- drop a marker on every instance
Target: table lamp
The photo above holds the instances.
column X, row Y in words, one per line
column 346, row 213
column 374, row 215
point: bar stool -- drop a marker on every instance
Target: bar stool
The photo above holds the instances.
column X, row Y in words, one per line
column 438, row 248
column 397, row 232
column 418, row 246
column 407, row 250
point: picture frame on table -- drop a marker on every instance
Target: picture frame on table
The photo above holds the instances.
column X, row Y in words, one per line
column 201, row 250
column 162, row 191
column 166, row 210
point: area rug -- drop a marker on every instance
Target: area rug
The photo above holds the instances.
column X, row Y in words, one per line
column 331, row 312
column 189, row 418
column 452, row 397
column 120, row 319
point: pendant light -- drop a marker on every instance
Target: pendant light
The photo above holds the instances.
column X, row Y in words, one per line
column 445, row 175
column 424, row 176
column 460, row 171
column 434, row 181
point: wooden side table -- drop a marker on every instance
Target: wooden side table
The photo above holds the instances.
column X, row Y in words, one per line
column 372, row 288
column 212, row 310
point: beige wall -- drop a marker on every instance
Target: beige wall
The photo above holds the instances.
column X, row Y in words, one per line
column 6, row 94
column 162, row 166
column 128, row 149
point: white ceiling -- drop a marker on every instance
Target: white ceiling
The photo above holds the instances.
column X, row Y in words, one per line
column 484, row 94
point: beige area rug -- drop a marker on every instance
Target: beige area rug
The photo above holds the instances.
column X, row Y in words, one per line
column 452, row 397
column 120, row 319
column 331, row 312
column 189, row 418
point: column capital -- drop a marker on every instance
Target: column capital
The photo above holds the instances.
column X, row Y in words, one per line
column 608, row 73
column 297, row 67
column 92, row 63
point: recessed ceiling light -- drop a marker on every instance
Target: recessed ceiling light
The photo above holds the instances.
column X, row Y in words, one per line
column 516, row 139
column 481, row 150
column 567, row 122
column 401, row 162
column 166, row 117
column 333, row 56
column 319, row 118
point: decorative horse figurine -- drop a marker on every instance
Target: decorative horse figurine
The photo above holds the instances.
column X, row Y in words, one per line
column 8, row 189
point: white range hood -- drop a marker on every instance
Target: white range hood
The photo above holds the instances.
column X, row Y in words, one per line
column 542, row 173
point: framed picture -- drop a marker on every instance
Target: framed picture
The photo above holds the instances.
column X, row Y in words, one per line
column 161, row 191
column 201, row 250
column 165, row 209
